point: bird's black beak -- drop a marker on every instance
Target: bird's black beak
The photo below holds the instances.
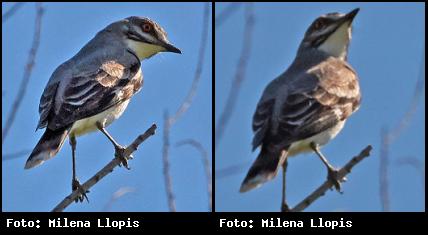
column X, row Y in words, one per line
column 351, row 15
column 170, row 48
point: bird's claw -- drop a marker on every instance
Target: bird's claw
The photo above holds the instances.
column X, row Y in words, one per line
column 333, row 177
column 120, row 154
column 75, row 185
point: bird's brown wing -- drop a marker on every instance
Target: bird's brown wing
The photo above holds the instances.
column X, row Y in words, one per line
column 332, row 95
column 92, row 93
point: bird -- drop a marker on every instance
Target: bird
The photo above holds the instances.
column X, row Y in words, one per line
column 93, row 88
column 307, row 105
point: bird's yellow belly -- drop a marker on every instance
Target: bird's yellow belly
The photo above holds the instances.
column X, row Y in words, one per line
column 89, row 124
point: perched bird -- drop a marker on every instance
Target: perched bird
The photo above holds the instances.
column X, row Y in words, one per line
column 93, row 88
column 306, row 106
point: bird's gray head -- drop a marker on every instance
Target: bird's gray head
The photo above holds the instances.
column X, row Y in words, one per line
column 330, row 33
column 144, row 36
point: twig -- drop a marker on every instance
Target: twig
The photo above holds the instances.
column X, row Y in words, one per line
column 27, row 73
column 328, row 184
column 197, row 77
column 106, row 170
column 207, row 165
column 170, row 120
column 18, row 154
column 116, row 195
column 417, row 94
column 166, row 165
column 226, row 13
column 12, row 10
column 416, row 163
column 239, row 75
column 388, row 137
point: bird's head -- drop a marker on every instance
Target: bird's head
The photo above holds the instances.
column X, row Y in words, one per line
column 146, row 38
column 330, row 33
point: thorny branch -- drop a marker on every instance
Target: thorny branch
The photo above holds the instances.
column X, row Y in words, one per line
column 106, row 170
column 320, row 191
column 239, row 75
column 27, row 72
column 170, row 120
column 207, row 165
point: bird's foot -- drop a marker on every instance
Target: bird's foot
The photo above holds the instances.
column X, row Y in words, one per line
column 121, row 155
column 75, row 185
column 333, row 177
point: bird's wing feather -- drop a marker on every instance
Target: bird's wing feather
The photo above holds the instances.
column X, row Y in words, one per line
column 316, row 101
column 92, row 93
column 263, row 113
column 46, row 103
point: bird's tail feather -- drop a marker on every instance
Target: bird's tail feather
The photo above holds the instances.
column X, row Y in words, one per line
column 47, row 147
column 264, row 168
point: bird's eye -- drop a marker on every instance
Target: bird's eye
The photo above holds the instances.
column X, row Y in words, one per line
column 318, row 25
column 147, row 27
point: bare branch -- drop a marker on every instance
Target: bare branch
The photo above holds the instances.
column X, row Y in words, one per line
column 416, row 163
column 12, row 10
column 417, row 94
column 106, row 170
column 226, row 13
column 328, row 184
column 116, row 195
column 18, row 154
column 239, row 75
column 207, row 165
column 170, row 120
column 27, row 72
column 166, row 165
column 192, row 92
column 388, row 137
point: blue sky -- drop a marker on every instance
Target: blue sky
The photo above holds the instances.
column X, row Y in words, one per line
column 167, row 78
column 386, row 50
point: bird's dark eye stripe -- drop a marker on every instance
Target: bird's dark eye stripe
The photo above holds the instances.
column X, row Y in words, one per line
column 321, row 22
column 133, row 36
column 318, row 41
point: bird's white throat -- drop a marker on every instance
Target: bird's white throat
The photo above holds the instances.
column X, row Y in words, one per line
column 337, row 43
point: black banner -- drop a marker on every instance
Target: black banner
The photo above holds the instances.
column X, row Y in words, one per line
column 217, row 221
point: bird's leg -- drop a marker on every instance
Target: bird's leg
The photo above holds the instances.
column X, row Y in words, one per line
column 119, row 150
column 332, row 172
column 284, row 205
column 75, row 184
